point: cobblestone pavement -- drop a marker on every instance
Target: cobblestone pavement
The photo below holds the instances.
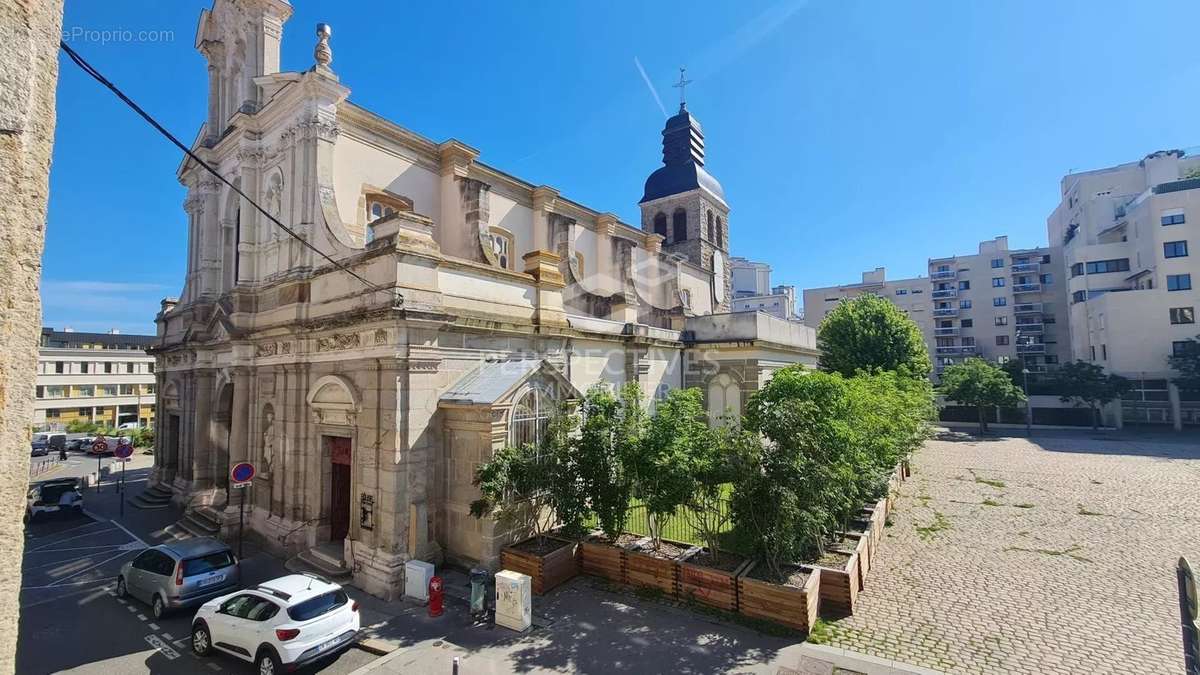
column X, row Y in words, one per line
column 1052, row 556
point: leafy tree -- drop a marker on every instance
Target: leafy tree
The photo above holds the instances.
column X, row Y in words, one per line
column 1086, row 384
column 1187, row 364
column 712, row 469
column 612, row 428
column 982, row 384
column 512, row 486
column 662, row 464
column 869, row 333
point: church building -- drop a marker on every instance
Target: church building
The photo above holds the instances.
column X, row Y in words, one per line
column 429, row 310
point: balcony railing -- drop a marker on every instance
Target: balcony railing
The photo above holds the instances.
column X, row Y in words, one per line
column 954, row 350
column 1036, row 348
column 1027, row 308
column 1026, row 268
column 946, row 332
column 943, row 274
column 945, row 293
column 1030, row 328
column 1027, row 288
column 1035, row 320
column 1034, row 368
column 945, row 311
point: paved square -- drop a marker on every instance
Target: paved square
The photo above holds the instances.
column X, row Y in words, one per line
column 1052, row 556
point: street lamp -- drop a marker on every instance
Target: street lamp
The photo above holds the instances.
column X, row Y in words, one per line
column 1025, row 387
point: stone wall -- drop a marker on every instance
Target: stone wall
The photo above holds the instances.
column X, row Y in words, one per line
column 28, row 75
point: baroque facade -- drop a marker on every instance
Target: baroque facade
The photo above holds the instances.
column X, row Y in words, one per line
column 463, row 306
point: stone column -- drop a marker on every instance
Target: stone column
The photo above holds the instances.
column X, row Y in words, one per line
column 201, row 441
column 543, row 198
column 605, row 264
column 548, row 280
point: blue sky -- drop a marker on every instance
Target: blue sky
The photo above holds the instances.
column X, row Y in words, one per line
column 847, row 134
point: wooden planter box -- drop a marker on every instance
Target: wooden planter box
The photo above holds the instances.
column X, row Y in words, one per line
column 840, row 586
column 710, row 586
column 648, row 571
column 792, row 607
column 547, row 571
column 879, row 518
column 603, row 560
column 905, row 469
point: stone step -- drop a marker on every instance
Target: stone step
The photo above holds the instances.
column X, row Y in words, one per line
column 199, row 524
column 327, row 557
column 304, row 562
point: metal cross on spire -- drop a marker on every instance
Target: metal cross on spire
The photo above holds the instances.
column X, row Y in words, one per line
column 682, row 85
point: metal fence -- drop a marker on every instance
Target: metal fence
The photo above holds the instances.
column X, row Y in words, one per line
column 676, row 526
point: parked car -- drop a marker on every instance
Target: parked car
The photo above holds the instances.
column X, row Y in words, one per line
column 43, row 443
column 76, row 444
column 279, row 625
column 53, row 496
column 180, row 574
column 128, row 425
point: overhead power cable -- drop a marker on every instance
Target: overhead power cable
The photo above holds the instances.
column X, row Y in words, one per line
column 87, row 68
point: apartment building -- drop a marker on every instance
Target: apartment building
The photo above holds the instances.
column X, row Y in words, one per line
column 752, row 290
column 996, row 304
column 96, row 377
column 910, row 295
column 1127, row 233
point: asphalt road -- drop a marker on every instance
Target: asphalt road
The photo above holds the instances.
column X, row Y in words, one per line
column 71, row 619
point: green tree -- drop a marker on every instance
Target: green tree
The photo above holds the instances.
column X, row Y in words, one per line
column 512, row 487
column 612, row 428
column 712, row 470
column 982, row 384
column 1186, row 362
column 869, row 333
column 662, row 465
column 1086, row 384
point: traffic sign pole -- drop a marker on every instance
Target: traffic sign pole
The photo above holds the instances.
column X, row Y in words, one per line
column 241, row 521
column 240, row 477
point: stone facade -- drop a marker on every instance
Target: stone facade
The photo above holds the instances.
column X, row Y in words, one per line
column 29, row 73
column 463, row 303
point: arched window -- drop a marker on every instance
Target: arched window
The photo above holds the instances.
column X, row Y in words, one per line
column 712, row 230
column 724, row 398
column 660, row 225
column 679, row 224
column 529, row 417
column 502, row 246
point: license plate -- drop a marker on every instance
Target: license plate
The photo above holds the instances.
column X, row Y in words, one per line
column 213, row 580
column 50, row 508
column 329, row 644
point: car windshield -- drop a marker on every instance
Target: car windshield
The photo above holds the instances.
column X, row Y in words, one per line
column 207, row 563
column 314, row 607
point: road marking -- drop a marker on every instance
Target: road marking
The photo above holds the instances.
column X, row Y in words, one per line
column 123, row 601
column 86, row 569
column 141, row 617
column 162, row 647
column 154, row 626
column 131, row 608
column 181, row 642
column 59, row 541
column 126, row 531
column 213, row 666
column 166, row 635
column 74, row 548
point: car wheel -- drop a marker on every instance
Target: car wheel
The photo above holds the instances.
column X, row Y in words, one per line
column 122, row 592
column 268, row 663
column 201, row 641
column 158, row 607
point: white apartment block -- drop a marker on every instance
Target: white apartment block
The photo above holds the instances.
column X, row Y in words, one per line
column 996, row 304
column 1127, row 234
column 105, row 378
column 753, row 292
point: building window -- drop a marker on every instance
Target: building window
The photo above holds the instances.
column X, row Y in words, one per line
column 108, row 390
column 129, row 367
column 1174, row 249
column 1051, row 358
column 999, row 302
column 968, row 323
column 1046, row 259
column 1076, row 269
column 40, row 391
column 997, row 282
column 685, row 297
column 53, row 412
column 1106, row 266
column 83, row 412
column 1181, row 347
column 1178, row 315
column 917, row 291
column 54, row 392
column 502, row 247
column 1103, row 352
column 1173, row 219
column 83, row 366
column 85, row 391
column 943, row 268
column 660, row 225
column 1002, row 321
column 127, row 390
column 150, row 367
column 968, row 342
column 59, row 367
column 108, row 368
column 712, row 228
column 1079, row 296
column 901, row 291
column 529, row 417
column 964, row 304
column 717, row 240
column 1001, row 340
column 679, row 226
column 1179, row 282
column 1091, row 352
column 1046, row 279
column 964, row 285
column 997, row 263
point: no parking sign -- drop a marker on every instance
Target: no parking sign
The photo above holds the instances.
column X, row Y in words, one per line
column 241, row 474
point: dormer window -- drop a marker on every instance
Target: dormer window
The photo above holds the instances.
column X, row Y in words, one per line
column 378, row 210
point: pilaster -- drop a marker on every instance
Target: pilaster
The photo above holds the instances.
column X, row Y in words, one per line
column 543, row 265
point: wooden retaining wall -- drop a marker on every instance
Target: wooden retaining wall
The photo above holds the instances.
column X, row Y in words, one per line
column 839, row 588
column 648, row 571
column 708, row 586
column 603, row 560
column 548, row 571
column 792, row 607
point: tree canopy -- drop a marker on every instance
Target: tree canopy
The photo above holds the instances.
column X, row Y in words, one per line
column 982, row 384
column 1186, row 362
column 869, row 333
column 1086, row 384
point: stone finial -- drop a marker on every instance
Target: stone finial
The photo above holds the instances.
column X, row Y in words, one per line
column 322, row 53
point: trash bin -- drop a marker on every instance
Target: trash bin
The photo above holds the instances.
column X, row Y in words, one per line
column 479, row 579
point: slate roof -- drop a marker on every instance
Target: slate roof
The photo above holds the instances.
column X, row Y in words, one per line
column 491, row 381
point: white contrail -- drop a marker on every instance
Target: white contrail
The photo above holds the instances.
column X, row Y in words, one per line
column 650, row 86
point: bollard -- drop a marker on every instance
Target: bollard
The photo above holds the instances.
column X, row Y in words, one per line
column 455, row 671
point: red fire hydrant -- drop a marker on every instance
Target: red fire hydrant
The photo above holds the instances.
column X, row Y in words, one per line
column 435, row 596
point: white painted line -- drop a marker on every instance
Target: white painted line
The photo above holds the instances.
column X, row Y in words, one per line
column 141, row 617
column 56, row 584
column 123, row 601
column 68, row 550
column 59, row 541
column 154, row 626
column 86, row 569
column 162, row 647
column 131, row 535
column 213, row 666
column 131, row 608
column 181, row 642
column 166, row 635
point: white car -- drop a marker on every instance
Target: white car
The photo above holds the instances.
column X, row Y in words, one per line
column 279, row 625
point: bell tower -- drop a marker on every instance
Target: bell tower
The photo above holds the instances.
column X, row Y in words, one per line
column 685, row 205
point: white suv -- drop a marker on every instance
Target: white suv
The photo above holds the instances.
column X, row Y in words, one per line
column 280, row 624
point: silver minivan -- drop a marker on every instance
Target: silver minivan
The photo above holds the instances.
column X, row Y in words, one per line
column 180, row 574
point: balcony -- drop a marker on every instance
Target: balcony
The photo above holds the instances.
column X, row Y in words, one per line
column 1027, row 288
column 1027, row 308
column 945, row 311
column 1026, row 268
column 946, row 332
column 955, row 350
column 945, row 293
column 1036, row 348
column 1036, row 368
column 943, row 275
column 1030, row 328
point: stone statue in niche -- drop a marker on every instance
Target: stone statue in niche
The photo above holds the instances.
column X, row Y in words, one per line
column 275, row 194
column 268, row 440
